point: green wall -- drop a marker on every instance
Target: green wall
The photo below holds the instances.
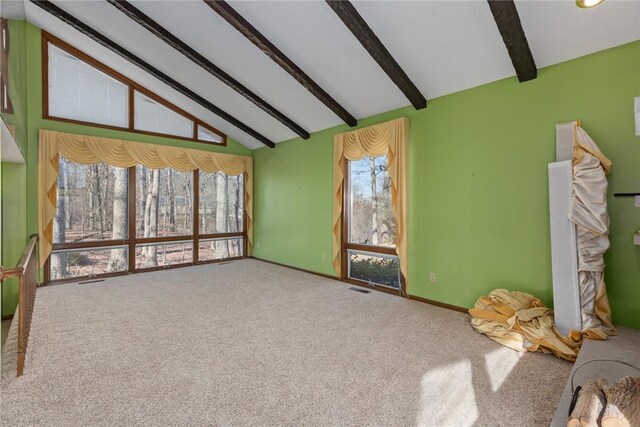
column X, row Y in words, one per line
column 13, row 185
column 478, row 208
column 35, row 122
column 478, row 188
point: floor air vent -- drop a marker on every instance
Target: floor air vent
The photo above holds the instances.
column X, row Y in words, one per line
column 91, row 281
column 362, row 291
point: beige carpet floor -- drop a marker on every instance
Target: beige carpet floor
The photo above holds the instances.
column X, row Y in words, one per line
column 250, row 343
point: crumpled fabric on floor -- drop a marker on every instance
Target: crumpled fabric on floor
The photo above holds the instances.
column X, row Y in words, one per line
column 521, row 322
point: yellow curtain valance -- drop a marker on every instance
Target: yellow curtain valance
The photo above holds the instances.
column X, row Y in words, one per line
column 385, row 138
column 87, row 149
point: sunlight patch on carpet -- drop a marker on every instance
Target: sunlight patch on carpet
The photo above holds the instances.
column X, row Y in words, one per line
column 448, row 397
column 499, row 364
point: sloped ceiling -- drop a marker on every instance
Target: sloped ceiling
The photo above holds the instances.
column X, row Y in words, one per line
column 444, row 47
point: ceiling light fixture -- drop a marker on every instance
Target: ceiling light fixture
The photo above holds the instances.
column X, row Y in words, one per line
column 586, row 4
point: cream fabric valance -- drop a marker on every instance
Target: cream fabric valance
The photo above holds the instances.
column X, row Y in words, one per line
column 86, row 149
column 385, row 138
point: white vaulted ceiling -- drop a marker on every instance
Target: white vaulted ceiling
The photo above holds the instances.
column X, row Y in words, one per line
column 444, row 47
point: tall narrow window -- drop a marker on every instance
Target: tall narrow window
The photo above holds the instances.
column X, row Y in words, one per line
column 221, row 203
column 370, row 226
column 164, row 202
column 79, row 91
column 91, row 222
column 221, row 216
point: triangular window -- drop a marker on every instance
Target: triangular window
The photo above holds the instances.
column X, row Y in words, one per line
column 79, row 89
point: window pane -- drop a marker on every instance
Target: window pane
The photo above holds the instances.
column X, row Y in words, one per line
column 91, row 203
column 369, row 207
column 88, row 262
column 378, row 269
column 152, row 116
column 205, row 134
column 79, row 91
column 163, row 254
column 221, row 203
column 164, row 202
column 212, row 249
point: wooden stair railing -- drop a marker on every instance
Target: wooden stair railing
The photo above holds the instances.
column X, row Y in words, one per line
column 27, row 273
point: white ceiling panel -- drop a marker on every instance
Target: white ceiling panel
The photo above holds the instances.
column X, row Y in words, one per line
column 12, row 9
column 558, row 31
column 444, row 47
column 210, row 35
column 313, row 37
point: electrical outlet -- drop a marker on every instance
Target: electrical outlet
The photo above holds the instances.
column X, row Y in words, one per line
column 257, row 245
column 432, row 277
column 324, row 257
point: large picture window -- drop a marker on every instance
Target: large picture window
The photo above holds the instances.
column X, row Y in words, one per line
column 79, row 89
column 369, row 225
column 112, row 220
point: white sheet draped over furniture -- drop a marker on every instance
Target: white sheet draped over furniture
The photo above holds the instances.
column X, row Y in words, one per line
column 578, row 246
column 588, row 211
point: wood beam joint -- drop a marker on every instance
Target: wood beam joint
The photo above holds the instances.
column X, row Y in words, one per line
column 370, row 41
column 236, row 20
column 166, row 36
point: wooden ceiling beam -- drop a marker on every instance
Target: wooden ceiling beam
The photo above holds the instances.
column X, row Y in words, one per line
column 150, row 69
column 163, row 34
column 508, row 21
column 236, row 20
column 365, row 35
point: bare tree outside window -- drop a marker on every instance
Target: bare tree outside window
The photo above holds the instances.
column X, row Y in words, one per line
column 370, row 211
column 221, row 211
column 164, row 207
column 370, row 222
column 91, row 206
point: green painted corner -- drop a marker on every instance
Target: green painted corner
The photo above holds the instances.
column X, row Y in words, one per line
column 13, row 189
column 14, row 225
column 478, row 188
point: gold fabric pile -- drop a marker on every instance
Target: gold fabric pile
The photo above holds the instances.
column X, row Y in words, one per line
column 521, row 322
